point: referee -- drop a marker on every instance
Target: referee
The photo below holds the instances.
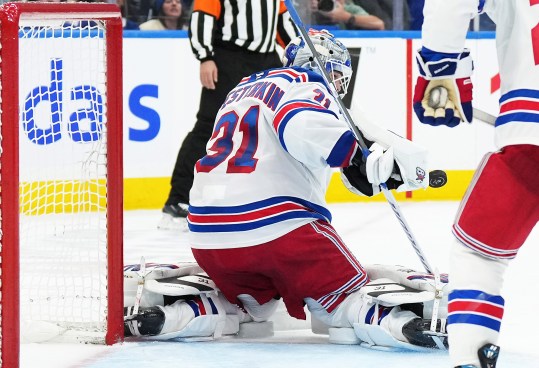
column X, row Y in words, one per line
column 232, row 39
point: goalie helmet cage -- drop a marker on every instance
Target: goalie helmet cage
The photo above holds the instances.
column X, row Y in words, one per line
column 61, row 199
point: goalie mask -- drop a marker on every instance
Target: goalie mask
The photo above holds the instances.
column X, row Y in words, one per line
column 332, row 53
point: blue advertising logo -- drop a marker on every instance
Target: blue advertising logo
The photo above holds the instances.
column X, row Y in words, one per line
column 91, row 114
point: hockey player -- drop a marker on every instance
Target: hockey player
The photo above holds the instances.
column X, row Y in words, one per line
column 259, row 225
column 501, row 205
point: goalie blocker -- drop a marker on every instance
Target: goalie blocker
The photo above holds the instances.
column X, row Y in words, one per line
column 394, row 311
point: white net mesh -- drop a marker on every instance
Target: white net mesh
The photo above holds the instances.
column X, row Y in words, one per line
column 63, row 195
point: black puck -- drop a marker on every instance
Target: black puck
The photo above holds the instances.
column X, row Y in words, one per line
column 437, row 179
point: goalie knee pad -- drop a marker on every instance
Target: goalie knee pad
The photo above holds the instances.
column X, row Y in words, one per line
column 259, row 312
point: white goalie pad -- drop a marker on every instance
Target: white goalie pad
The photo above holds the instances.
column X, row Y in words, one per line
column 390, row 293
column 405, row 276
column 375, row 337
column 155, row 271
column 432, row 296
column 182, row 285
column 203, row 328
column 410, row 157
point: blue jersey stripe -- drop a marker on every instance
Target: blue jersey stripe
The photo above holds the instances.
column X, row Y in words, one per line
column 530, row 93
column 476, row 295
column 214, row 210
column 473, row 319
column 525, row 117
column 232, row 227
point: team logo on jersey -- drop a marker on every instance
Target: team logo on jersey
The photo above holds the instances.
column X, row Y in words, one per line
column 420, row 174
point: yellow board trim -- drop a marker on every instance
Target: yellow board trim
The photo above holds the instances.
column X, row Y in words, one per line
column 457, row 182
column 151, row 193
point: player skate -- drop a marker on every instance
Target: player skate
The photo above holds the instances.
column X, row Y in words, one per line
column 488, row 356
column 174, row 217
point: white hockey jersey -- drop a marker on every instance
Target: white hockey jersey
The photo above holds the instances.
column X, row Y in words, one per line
column 517, row 40
column 269, row 160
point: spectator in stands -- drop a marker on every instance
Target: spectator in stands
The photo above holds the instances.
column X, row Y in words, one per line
column 127, row 23
column 346, row 15
column 168, row 15
column 416, row 14
column 187, row 9
column 383, row 9
column 139, row 11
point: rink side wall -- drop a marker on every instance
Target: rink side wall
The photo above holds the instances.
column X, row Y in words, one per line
column 162, row 89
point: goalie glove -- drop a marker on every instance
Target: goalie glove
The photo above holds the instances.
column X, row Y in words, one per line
column 451, row 71
column 401, row 161
column 365, row 174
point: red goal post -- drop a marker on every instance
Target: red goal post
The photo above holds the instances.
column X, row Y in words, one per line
column 47, row 214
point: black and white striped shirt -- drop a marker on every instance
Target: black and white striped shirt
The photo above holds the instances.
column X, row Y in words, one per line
column 254, row 25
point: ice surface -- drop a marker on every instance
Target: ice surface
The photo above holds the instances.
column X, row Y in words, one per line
column 374, row 235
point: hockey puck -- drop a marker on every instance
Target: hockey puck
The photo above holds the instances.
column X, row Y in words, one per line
column 438, row 97
column 437, row 179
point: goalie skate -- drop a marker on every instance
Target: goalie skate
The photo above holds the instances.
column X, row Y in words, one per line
column 418, row 333
column 375, row 337
column 144, row 322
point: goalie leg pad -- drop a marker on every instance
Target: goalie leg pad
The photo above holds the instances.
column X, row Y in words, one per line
column 375, row 337
column 197, row 317
column 153, row 272
column 398, row 330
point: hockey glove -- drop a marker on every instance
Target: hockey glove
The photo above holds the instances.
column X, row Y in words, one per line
column 365, row 175
column 451, row 71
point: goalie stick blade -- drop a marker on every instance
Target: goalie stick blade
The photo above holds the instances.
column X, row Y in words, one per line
column 179, row 286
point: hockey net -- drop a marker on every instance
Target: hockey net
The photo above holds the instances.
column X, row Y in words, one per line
column 60, row 174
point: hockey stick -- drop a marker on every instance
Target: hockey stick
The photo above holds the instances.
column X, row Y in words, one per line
column 483, row 116
column 355, row 130
column 437, row 101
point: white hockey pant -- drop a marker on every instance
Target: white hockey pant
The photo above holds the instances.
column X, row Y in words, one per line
column 471, row 271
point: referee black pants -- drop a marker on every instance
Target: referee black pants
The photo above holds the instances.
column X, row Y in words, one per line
column 232, row 66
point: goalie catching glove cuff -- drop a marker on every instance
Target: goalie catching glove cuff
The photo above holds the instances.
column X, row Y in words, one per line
column 365, row 174
column 452, row 72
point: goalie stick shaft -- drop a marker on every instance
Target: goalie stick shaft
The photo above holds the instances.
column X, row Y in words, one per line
column 355, row 130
